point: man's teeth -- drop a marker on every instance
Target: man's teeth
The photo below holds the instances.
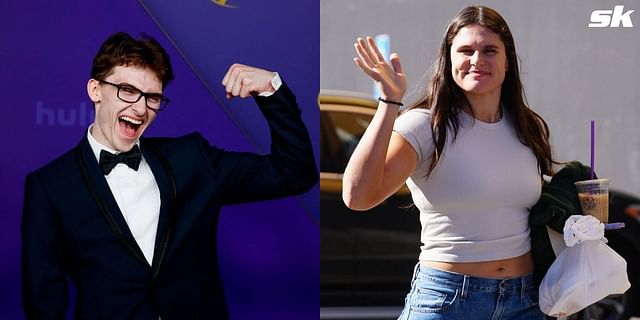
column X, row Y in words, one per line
column 131, row 120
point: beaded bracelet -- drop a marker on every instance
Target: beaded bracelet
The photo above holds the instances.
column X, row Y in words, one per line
column 390, row 102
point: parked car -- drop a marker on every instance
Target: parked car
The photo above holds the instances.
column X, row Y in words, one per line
column 367, row 258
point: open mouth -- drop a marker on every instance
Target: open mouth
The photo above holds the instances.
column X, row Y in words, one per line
column 129, row 126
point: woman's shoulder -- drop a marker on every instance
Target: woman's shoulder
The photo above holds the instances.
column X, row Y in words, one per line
column 417, row 112
column 415, row 115
column 415, row 126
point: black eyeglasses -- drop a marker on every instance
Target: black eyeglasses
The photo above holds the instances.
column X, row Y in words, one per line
column 128, row 93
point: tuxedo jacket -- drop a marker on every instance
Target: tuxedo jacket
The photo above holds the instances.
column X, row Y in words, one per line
column 72, row 226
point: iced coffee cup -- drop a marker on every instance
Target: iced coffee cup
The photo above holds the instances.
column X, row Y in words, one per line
column 594, row 198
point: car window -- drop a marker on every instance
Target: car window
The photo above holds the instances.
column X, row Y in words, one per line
column 341, row 132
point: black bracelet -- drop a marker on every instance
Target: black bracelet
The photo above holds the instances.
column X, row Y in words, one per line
column 390, row 102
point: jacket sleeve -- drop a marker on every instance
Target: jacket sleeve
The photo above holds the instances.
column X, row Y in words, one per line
column 290, row 167
column 559, row 199
column 44, row 285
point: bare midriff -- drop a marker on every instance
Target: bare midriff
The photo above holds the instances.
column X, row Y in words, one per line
column 506, row 268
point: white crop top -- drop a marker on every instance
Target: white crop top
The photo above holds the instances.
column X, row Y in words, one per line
column 475, row 204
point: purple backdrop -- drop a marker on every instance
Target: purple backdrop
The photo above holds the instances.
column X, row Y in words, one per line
column 269, row 251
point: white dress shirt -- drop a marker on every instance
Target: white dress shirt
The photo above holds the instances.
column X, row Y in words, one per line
column 137, row 195
column 276, row 82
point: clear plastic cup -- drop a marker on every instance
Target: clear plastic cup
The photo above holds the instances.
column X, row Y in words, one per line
column 594, row 198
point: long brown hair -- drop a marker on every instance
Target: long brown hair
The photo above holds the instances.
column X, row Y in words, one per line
column 446, row 99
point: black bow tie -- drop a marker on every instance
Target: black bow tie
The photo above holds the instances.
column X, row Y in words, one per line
column 109, row 160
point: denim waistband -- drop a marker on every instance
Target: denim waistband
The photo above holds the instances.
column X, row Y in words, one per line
column 471, row 283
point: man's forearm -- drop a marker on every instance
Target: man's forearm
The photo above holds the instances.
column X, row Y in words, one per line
column 291, row 147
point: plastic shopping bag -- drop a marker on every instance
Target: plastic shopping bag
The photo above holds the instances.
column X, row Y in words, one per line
column 583, row 273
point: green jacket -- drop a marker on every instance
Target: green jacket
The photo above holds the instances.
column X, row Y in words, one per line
column 558, row 201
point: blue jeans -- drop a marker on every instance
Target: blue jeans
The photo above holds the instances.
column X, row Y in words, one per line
column 436, row 294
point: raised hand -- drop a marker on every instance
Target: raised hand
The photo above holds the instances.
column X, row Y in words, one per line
column 244, row 81
column 390, row 78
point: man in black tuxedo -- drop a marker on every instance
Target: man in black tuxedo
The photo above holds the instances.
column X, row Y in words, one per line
column 132, row 220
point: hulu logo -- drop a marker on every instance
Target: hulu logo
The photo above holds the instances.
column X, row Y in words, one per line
column 81, row 116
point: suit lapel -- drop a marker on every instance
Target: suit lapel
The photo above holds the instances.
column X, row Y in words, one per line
column 97, row 185
column 165, row 179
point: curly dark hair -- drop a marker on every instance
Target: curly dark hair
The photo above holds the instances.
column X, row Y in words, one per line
column 120, row 49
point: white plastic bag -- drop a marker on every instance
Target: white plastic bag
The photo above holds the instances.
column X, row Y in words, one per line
column 584, row 272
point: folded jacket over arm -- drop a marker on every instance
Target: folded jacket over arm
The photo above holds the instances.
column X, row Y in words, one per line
column 558, row 201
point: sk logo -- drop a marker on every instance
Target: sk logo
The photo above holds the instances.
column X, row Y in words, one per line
column 611, row 18
column 223, row 3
